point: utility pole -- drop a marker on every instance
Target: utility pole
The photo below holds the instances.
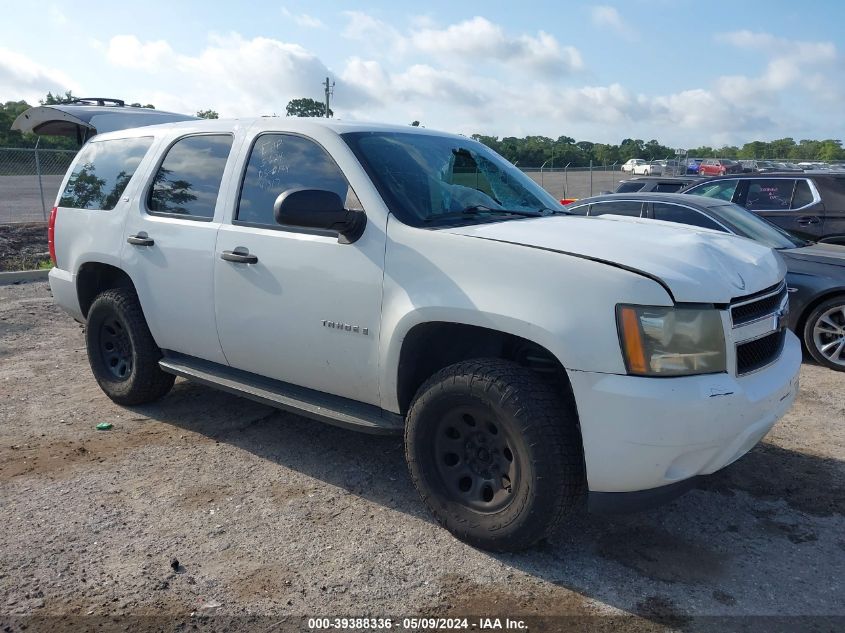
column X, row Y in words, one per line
column 329, row 93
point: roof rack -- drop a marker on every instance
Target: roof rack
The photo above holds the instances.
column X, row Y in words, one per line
column 100, row 101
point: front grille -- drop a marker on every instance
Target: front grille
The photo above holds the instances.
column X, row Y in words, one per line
column 753, row 310
column 760, row 352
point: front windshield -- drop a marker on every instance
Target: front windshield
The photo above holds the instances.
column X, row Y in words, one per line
column 428, row 180
column 754, row 227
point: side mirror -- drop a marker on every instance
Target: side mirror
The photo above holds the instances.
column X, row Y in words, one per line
column 319, row 209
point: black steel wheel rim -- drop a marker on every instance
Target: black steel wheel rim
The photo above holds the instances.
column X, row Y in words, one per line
column 477, row 459
column 116, row 348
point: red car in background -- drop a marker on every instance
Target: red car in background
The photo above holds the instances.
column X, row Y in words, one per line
column 719, row 167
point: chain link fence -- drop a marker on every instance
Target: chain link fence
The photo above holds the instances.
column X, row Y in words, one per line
column 578, row 182
column 29, row 182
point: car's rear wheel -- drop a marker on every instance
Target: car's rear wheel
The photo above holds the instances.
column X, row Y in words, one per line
column 824, row 333
column 121, row 351
column 495, row 453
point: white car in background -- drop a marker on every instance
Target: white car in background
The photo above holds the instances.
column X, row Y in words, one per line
column 631, row 164
column 652, row 168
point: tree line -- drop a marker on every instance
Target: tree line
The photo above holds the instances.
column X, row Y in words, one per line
column 528, row 151
column 536, row 151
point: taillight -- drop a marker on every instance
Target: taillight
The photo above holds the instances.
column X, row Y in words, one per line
column 51, row 234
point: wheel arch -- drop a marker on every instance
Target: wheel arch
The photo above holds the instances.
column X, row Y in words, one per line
column 430, row 346
column 94, row 277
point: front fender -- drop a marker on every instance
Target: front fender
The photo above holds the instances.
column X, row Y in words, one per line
column 563, row 303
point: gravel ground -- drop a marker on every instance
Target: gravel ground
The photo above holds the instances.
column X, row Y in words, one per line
column 272, row 515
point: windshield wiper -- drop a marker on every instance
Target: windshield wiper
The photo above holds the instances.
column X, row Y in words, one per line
column 555, row 211
column 481, row 209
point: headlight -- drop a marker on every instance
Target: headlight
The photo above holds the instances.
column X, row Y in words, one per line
column 659, row 341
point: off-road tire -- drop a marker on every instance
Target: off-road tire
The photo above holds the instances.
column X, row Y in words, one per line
column 810, row 325
column 118, row 310
column 539, row 421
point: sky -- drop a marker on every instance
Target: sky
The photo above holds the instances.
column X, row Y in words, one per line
column 685, row 74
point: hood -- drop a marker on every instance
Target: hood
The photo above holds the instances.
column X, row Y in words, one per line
column 696, row 265
column 818, row 254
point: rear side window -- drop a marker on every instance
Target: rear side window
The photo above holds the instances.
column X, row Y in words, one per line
column 803, row 196
column 773, row 195
column 188, row 181
column 622, row 207
column 281, row 162
column 682, row 215
column 102, row 172
column 720, row 189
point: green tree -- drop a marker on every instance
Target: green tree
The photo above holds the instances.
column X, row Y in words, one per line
column 831, row 149
column 208, row 114
column 415, row 123
column 307, row 107
column 727, row 151
column 754, row 149
column 56, row 99
column 782, row 148
column 149, row 106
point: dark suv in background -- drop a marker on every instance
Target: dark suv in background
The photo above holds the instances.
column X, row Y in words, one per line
column 811, row 206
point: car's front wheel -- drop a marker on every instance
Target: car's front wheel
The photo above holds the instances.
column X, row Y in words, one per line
column 121, row 351
column 824, row 333
column 495, row 453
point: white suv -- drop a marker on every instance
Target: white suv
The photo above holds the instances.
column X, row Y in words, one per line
column 393, row 279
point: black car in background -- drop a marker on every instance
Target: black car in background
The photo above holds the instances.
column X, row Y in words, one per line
column 809, row 205
column 669, row 184
column 816, row 272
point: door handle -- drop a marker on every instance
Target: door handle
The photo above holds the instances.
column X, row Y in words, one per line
column 804, row 220
column 239, row 256
column 142, row 239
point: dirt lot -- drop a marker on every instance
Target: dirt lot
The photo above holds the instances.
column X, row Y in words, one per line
column 23, row 246
column 273, row 516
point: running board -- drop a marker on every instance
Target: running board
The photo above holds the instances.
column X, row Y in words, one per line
column 307, row 402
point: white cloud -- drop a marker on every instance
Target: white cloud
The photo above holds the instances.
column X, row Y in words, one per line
column 608, row 17
column 234, row 75
column 470, row 43
column 303, row 19
column 376, row 34
column 479, row 40
column 127, row 51
column 23, row 78
column 813, row 68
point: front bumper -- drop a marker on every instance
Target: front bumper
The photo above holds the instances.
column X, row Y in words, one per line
column 645, row 433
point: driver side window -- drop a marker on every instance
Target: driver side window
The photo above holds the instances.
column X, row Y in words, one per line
column 281, row 162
